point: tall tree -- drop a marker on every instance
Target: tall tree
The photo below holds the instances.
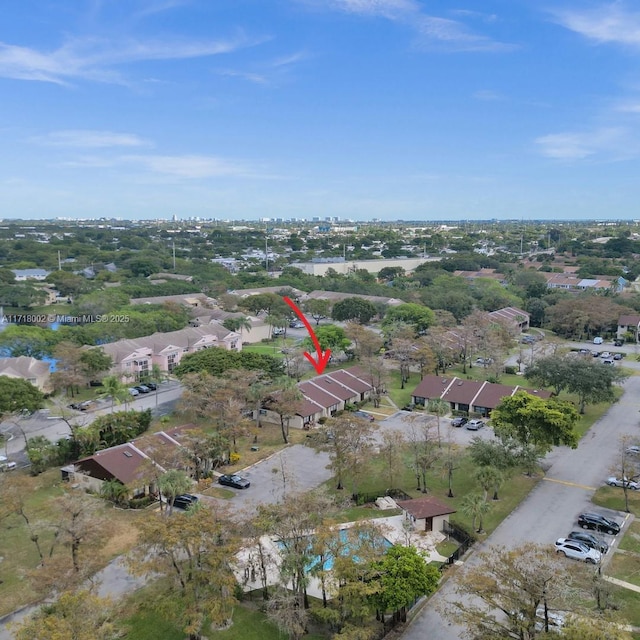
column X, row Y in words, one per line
column 356, row 309
column 193, row 552
column 172, row 484
column 17, row 396
column 475, row 506
column 318, row 309
column 533, row 421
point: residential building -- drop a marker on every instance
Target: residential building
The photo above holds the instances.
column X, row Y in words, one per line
column 337, row 296
column 22, row 275
column 628, row 324
column 469, row 396
column 133, row 359
column 35, row 371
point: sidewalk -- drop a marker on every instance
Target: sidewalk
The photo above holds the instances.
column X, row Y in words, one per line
column 623, row 584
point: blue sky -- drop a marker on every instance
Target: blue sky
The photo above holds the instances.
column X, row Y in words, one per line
column 389, row 109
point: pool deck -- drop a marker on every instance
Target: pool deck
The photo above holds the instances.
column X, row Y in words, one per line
column 392, row 528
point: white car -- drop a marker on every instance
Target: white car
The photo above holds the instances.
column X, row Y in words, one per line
column 605, row 354
column 474, row 425
column 598, row 340
column 6, row 464
column 133, row 391
column 618, row 482
column 634, row 450
column 577, row 550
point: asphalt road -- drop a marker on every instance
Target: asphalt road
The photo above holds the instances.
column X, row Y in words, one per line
column 551, row 509
column 43, row 423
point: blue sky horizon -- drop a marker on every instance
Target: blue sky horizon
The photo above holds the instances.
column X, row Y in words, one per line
column 360, row 109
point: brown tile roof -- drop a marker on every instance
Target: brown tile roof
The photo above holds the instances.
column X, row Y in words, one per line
column 629, row 321
column 334, row 388
column 491, row 394
column 121, row 462
column 462, row 391
column 350, row 381
column 426, row 507
column 431, row 387
column 318, row 395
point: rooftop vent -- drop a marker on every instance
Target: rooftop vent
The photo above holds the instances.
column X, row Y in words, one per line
column 128, row 454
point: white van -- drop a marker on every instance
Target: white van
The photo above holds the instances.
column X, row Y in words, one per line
column 598, row 340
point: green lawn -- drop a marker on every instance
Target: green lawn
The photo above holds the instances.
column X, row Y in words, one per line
column 631, row 540
column 613, row 498
column 625, row 566
column 248, row 624
column 513, row 491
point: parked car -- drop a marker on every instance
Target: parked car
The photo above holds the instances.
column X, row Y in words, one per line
column 237, row 482
column 608, row 361
column 590, row 540
column 133, row 391
column 296, row 324
column 577, row 550
column 6, row 464
column 598, row 340
column 364, row 415
column 151, row 385
column 460, row 421
column 634, row 450
column 484, row 361
column 618, row 343
column 185, row 501
column 605, row 354
column 595, row 354
column 278, row 331
column 618, row 356
column 598, row 523
column 612, row 481
column 527, row 339
column 474, row 425
column 142, row 388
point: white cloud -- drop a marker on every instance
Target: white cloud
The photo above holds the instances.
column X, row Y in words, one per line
column 188, row 166
column 94, row 59
column 608, row 23
column 89, row 138
column 432, row 30
column 628, row 107
column 612, row 143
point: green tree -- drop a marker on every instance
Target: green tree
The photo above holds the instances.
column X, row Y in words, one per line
column 330, row 336
column 318, row 309
column 41, row 453
column 114, row 389
column 489, row 478
column 416, row 315
column 172, row 484
column 404, row 577
column 475, row 506
column 94, row 362
column 593, row 382
column 531, row 420
column 551, row 371
column 25, row 340
column 17, row 396
column 114, row 491
column 357, row 309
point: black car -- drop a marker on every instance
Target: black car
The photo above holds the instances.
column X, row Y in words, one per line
column 364, row 415
column 142, row 388
column 237, row 482
column 185, row 501
column 618, row 343
column 460, row 421
column 598, row 523
column 151, row 385
column 590, row 540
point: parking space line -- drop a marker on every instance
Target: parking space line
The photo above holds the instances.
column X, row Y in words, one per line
column 570, row 484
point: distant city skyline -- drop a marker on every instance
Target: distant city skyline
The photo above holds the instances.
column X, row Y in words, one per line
column 353, row 109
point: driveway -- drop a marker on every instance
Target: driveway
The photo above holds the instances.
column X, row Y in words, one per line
column 551, row 509
column 296, row 468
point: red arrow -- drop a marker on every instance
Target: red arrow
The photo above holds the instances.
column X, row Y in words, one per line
column 323, row 357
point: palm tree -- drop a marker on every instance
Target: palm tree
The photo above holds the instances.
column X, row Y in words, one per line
column 439, row 408
column 157, row 376
column 474, row 506
column 114, row 389
column 114, row 491
column 172, row 484
column 238, row 323
column 489, row 478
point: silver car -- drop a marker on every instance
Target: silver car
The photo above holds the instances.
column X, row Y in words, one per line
column 577, row 551
column 618, row 482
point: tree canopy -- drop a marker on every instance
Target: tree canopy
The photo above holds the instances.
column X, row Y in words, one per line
column 216, row 361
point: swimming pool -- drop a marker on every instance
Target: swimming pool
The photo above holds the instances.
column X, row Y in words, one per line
column 345, row 549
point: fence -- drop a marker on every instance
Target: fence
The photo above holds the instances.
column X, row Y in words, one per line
column 460, row 536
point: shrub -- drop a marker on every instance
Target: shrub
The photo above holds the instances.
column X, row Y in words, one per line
column 510, row 370
column 234, row 458
column 142, row 502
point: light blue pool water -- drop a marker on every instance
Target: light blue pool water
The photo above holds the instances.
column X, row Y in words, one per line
column 346, row 549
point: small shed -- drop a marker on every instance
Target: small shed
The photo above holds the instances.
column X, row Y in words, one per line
column 426, row 513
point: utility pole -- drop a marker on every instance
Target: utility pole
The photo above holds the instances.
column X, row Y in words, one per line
column 266, row 252
column 59, row 262
column 174, row 255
